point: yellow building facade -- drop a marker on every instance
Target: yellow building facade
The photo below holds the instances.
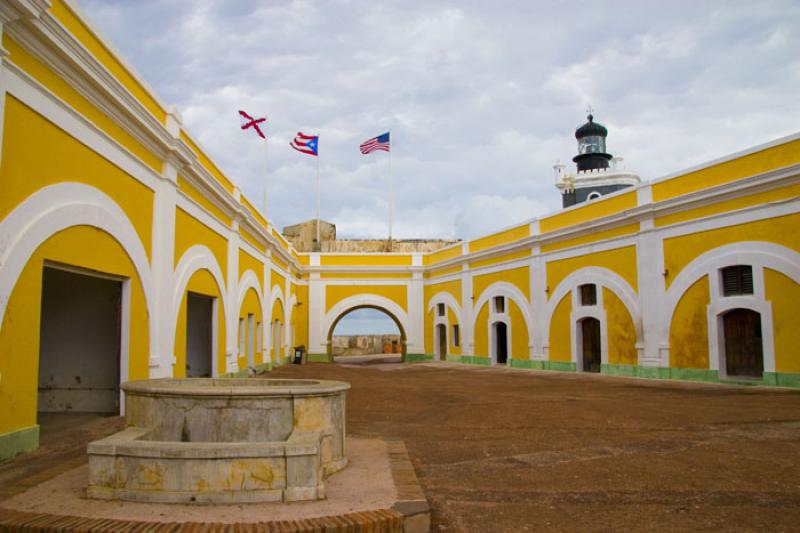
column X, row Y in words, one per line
column 126, row 253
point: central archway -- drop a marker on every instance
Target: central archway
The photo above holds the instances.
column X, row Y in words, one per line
column 341, row 315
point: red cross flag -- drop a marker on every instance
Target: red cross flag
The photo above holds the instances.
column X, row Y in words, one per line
column 250, row 122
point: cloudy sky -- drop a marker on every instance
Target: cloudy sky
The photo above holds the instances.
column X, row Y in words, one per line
column 482, row 98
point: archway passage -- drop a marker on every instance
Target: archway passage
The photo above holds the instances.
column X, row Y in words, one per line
column 199, row 335
column 743, row 343
column 79, row 344
column 590, row 344
column 501, row 342
column 441, row 339
column 366, row 330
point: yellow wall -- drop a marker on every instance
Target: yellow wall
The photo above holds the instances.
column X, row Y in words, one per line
column 443, row 272
column 622, row 261
column 277, row 314
column 248, row 262
column 514, row 234
column 521, row 254
column 300, row 316
column 365, row 260
column 190, row 231
column 519, row 332
column 250, row 305
column 209, row 165
column 201, row 282
column 518, row 277
column 560, row 334
column 451, row 287
column 480, row 334
column 277, row 280
column 79, row 246
column 620, row 330
column 442, row 255
column 38, row 154
column 212, row 209
column 336, row 293
column 688, row 332
column 779, row 156
column 595, row 236
column 593, row 210
column 56, row 84
column 784, row 295
column 680, row 251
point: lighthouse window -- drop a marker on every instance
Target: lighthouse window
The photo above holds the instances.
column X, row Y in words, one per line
column 593, row 195
column 592, row 144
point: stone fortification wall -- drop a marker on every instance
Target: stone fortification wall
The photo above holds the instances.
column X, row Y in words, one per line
column 366, row 344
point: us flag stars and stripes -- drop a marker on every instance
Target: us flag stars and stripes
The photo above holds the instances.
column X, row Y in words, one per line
column 307, row 144
column 250, row 122
column 381, row 142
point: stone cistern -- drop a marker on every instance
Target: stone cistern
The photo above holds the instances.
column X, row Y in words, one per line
column 204, row 440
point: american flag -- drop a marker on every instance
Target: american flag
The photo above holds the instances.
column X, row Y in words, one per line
column 381, row 142
column 308, row 144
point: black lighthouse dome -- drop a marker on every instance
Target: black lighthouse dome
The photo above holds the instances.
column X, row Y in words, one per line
column 591, row 146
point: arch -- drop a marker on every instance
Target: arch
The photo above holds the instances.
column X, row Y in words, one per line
column 55, row 208
column 248, row 281
column 604, row 278
column 759, row 254
column 503, row 288
column 197, row 257
column 360, row 301
column 447, row 299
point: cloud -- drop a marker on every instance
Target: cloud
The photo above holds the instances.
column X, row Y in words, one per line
column 481, row 99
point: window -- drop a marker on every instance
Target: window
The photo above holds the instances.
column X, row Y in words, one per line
column 737, row 280
column 588, row 294
column 499, row 304
column 440, row 309
column 456, row 335
column 592, row 195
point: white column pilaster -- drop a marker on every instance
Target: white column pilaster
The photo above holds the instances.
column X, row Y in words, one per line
column 467, row 302
column 415, row 343
column 316, row 310
column 650, row 268
column 232, row 338
column 266, row 342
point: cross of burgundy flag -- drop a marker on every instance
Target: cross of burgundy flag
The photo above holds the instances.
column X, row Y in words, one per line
column 250, row 122
column 308, row 144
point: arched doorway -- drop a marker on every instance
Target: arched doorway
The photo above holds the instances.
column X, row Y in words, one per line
column 393, row 341
column 590, row 344
column 441, row 342
column 199, row 335
column 500, row 342
column 743, row 343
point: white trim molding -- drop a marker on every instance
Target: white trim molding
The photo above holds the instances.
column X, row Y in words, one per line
column 513, row 293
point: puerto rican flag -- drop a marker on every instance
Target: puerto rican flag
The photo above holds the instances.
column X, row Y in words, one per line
column 308, row 144
column 250, row 122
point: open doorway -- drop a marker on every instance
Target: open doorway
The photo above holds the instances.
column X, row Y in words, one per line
column 79, row 343
column 590, row 345
column 441, row 342
column 743, row 344
column 501, row 342
column 199, row 335
column 366, row 335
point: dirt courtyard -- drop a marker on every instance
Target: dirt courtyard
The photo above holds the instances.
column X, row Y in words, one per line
column 514, row 450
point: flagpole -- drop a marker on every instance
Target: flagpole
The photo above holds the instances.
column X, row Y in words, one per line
column 391, row 190
column 266, row 169
column 319, row 242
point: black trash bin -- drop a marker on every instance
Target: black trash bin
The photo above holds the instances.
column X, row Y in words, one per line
column 299, row 352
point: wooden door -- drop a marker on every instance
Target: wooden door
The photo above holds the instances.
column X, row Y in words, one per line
column 743, row 343
column 501, row 342
column 590, row 332
column 442, row 334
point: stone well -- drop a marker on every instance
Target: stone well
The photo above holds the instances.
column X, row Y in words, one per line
column 222, row 441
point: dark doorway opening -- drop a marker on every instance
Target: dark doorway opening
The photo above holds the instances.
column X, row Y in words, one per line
column 441, row 334
column 79, row 343
column 590, row 344
column 501, row 342
column 743, row 343
column 199, row 335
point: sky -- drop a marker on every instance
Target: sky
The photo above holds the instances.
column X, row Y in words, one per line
column 482, row 98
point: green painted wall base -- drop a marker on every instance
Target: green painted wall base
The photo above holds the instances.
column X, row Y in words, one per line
column 416, row 357
column 318, row 358
column 558, row 366
column 20, row 441
column 782, row 379
column 469, row 359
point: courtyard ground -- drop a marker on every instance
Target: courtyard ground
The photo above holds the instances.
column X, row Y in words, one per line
column 515, row 450
column 498, row 449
